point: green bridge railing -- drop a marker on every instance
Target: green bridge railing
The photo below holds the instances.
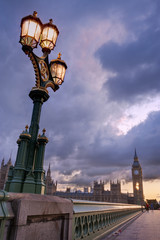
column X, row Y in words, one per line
column 92, row 220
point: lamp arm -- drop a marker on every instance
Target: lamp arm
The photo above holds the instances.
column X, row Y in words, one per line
column 41, row 68
column 35, row 64
column 28, row 51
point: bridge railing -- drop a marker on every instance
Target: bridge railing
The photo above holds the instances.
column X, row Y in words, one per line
column 27, row 216
column 91, row 220
column 6, row 215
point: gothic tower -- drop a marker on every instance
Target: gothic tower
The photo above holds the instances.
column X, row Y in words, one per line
column 115, row 191
column 51, row 186
column 98, row 191
column 137, row 181
column 4, row 172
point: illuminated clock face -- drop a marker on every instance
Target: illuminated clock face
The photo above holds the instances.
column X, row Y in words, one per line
column 137, row 186
column 136, row 172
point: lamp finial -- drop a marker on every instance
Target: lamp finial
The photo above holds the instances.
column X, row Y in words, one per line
column 59, row 56
column 26, row 127
column 35, row 14
column 44, row 130
column 51, row 20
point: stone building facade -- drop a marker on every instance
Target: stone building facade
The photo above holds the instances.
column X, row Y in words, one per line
column 98, row 193
column 114, row 194
column 4, row 172
column 51, row 186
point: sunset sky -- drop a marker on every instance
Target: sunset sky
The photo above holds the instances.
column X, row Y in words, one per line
column 109, row 103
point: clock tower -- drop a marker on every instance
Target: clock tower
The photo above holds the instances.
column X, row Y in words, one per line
column 137, row 181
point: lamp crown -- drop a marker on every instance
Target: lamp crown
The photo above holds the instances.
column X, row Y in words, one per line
column 51, row 21
column 44, row 130
column 59, row 56
column 26, row 127
column 35, row 14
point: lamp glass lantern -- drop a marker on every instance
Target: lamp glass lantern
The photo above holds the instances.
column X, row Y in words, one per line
column 49, row 36
column 58, row 69
column 31, row 28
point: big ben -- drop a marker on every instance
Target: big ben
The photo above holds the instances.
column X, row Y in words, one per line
column 137, row 181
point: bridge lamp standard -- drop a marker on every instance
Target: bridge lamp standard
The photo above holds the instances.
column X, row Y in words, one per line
column 27, row 176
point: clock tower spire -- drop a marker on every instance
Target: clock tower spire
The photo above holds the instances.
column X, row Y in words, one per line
column 135, row 154
column 137, row 180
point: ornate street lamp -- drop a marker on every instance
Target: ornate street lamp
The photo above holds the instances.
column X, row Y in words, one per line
column 49, row 36
column 31, row 28
column 58, row 68
column 28, row 174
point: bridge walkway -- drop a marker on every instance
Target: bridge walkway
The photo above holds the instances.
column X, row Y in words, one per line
column 145, row 227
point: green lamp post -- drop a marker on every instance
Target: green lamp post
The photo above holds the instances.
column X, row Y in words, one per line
column 27, row 176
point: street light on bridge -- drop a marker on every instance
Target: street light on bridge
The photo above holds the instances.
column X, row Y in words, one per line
column 28, row 174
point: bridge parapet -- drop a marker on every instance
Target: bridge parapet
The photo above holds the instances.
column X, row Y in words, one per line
column 93, row 219
column 42, row 217
column 34, row 216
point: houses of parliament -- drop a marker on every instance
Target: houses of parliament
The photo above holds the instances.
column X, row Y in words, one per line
column 98, row 193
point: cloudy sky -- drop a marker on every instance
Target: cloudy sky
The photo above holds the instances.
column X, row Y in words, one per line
column 109, row 103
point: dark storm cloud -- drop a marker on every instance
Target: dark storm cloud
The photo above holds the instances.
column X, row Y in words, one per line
column 102, row 162
column 136, row 63
column 151, row 173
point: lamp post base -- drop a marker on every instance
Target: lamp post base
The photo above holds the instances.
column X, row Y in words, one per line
column 29, row 183
column 27, row 175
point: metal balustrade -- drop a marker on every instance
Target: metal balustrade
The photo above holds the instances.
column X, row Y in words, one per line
column 93, row 219
column 6, row 215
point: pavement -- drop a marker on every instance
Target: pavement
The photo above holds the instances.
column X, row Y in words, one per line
column 145, row 227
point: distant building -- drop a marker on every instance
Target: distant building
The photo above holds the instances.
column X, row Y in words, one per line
column 114, row 195
column 98, row 193
column 137, row 178
column 4, row 172
column 116, row 191
column 51, row 186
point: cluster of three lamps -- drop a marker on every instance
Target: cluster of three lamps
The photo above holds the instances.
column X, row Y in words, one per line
column 34, row 32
